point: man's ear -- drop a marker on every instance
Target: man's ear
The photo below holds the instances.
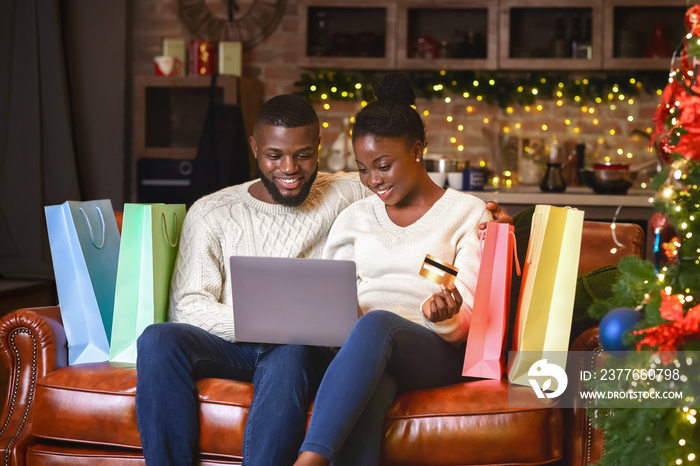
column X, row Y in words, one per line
column 253, row 146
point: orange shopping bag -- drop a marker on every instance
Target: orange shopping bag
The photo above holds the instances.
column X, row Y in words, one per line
column 485, row 353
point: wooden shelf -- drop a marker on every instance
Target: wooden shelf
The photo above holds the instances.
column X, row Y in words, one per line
column 170, row 111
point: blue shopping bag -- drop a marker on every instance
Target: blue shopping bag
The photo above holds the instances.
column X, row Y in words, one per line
column 84, row 242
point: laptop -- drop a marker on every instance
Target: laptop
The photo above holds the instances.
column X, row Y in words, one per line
column 293, row 301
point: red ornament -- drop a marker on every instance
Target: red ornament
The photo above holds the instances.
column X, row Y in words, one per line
column 671, row 335
column 658, row 220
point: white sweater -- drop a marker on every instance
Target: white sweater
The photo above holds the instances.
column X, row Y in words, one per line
column 232, row 222
column 389, row 257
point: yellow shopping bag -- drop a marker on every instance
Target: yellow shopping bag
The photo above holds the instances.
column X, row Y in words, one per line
column 546, row 303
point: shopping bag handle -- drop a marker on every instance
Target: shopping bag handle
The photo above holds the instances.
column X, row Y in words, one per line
column 92, row 236
column 515, row 252
column 165, row 227
column 515, row 248
column 533, row 234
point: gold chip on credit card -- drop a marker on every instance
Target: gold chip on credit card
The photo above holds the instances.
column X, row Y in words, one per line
column 438, row 271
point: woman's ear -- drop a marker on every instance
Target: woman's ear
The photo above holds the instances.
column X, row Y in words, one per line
column 418, row 151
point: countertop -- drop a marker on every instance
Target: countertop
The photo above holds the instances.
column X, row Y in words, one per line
column 573, row 196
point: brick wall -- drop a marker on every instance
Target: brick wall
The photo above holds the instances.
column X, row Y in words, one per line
column 606, row 131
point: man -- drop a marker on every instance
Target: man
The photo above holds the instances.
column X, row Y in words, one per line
column 287, row 212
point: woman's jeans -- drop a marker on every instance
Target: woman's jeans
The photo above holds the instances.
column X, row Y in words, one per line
column 171, row 356
column 384, row 353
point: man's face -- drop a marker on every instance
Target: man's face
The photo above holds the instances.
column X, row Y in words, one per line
column 287, row 162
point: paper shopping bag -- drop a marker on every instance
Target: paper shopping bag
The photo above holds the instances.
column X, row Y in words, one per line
column 546, row 302
column 150, row 235
column 84, row 242
column 485, row 353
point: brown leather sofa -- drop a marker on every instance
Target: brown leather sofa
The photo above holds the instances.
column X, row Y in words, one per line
column 56, row 414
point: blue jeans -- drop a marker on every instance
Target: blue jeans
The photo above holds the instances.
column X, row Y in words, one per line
column 171, row 356
column 384, row 353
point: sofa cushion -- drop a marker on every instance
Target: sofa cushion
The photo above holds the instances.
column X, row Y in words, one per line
column 96, row 405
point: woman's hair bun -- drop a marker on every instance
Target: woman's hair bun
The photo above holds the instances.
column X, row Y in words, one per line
column 396, row 87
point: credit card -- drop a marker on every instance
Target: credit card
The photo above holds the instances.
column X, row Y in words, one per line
column 438, row 271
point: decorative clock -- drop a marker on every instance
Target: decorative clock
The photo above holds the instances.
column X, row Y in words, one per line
column 247, row 21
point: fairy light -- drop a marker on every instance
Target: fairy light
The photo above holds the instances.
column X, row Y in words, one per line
column 325, row 124
column 535, row 91
column 539, row 107
column 449, row 118
column 544, row 127
column 518, row 125
column 448, row 100
column 630, row 118
column 465, row 95
column 486, row 121
column 312, row 88
column 591, row 110
column 324, row 96
column 567, row 122
column 426, row 113
column 479, row 98
column 453, row 140
column 460, row 148
column 475, row 83
column 326, row 106
column 334, row 89
column 470, row 109
column 509, row 110
column 460, row 128
column 612, row 132
column 358, row 86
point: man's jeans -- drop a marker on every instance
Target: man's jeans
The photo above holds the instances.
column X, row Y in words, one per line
column 171, row 356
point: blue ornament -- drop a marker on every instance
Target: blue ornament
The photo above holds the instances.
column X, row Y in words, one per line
column 616, row 324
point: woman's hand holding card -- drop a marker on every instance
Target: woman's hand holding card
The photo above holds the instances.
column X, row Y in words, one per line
column 443, row 305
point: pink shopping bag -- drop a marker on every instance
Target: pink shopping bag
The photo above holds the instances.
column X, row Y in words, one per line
column 485, row 353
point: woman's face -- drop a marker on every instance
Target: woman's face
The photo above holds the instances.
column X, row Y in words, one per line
column 388, row 167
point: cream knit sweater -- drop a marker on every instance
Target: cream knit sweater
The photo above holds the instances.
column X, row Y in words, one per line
column 389, row 257
column 232, row 222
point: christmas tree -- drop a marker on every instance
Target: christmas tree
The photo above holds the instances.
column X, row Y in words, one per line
column 665, row 291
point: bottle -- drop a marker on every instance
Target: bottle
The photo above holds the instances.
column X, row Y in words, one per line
column 553, row 180
column 575, row 35
column 658, row 47
column 559, row 45
column 336, row 159
column 350, row 164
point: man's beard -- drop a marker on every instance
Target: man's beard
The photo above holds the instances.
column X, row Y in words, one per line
column 290, row 201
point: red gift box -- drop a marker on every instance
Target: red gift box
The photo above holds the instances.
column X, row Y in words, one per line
column 203, row 57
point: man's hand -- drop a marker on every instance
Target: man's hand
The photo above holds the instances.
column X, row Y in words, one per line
column 499, row 215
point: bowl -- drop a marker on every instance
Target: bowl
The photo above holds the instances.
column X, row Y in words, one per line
column 608, row 180
column 445, row 165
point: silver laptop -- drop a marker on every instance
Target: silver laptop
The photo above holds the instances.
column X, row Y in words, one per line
column 293, row 301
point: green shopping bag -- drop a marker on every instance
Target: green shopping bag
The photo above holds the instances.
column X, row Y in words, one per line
column 150, row 234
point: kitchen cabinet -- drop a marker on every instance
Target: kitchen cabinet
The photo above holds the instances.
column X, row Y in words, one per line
column 550, row 34
column 628, row 27
column 447, row 35
column 485, row 34
column 340, row 34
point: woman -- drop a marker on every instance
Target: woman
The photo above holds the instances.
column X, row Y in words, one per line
column 418, row 342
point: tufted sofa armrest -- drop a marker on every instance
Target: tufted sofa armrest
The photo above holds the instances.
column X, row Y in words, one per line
column 588, row 448
column 32, row 344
